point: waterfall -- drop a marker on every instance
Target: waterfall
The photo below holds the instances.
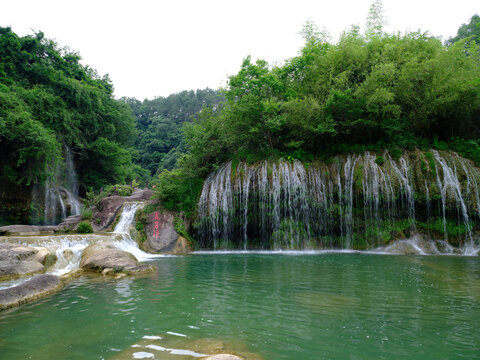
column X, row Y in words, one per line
column 69, row 248
column 354, row 201
column 123, row 240
column 61, row 193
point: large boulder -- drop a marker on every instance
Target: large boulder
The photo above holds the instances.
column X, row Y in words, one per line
column 37, row 287
column 108, row 207
column 106, row 258
column 161, row 236
column 19, row 260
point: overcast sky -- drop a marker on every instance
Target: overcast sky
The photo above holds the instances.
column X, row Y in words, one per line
column 155, row 48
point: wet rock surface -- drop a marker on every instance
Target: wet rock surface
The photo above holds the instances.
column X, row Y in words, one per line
column 19, row 260
column 108, row 207
column 37, row 287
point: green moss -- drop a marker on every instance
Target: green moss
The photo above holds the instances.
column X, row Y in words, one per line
column 431, row 161
column 141, row 222
column 180, row 228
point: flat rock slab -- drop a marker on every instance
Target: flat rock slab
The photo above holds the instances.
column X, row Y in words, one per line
column 223, row 357
column 37, row 287
column 21, row 230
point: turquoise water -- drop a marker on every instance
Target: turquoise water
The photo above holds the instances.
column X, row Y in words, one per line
column 315, row 306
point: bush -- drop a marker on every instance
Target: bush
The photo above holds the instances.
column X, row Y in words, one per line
column 84, row 227
column 120, row 190
column 380, row 160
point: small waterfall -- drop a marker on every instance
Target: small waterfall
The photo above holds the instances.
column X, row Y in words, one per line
column 356, row 201
column 126, row 218
column 123, row 240
column 451, row 184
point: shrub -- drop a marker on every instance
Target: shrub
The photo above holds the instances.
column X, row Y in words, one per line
column 380, row 160
column 84, row 227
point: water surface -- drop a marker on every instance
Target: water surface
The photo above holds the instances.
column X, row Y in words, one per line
column 277, row 306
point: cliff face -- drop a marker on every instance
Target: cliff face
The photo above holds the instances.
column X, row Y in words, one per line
column 353, row 201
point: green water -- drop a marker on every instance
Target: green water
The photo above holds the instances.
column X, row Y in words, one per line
column 316, row 306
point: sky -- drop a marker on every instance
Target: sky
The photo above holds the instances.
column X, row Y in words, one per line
column 154, row 48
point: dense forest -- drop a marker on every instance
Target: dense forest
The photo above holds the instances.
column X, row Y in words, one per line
column 369, row 90
column 159, row 123
column 49, row 100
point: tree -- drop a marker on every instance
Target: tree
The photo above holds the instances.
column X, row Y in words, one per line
column 375, row 20
column 470, row 32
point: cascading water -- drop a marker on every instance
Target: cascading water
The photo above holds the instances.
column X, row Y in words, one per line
column 123, row 240
column 69, row 248
column 62, row 201
column 358, row 201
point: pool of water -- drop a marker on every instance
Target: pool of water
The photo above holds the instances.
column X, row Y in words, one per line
column 262, row 306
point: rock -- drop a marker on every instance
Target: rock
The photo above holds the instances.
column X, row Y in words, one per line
column 106, row 255
column 109, row 260
column 182, row 246
column 161, row 235
column 223, row 357
column 20, row 230
column 37, row 287
column 19, row 260
column 67, row 254
column 109, row 206
column 69, row 223
column 415, row 245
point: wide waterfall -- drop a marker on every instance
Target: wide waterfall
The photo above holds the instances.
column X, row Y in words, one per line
column 354, row 201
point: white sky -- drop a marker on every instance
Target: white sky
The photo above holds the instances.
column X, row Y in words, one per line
column 155, row 48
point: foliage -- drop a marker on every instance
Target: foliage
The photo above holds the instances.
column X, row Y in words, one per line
column 470, row 31
column 84, row 227
column 49, row 99
column 159, row 122
column 120, row 190
column 367, row 92
column 180, row 188
column 179, row 225
column 87, row 214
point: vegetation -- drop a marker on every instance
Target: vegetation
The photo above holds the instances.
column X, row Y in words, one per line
column 368, row 91
column 159, row 123
column 49, row 100
column 84, row 227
